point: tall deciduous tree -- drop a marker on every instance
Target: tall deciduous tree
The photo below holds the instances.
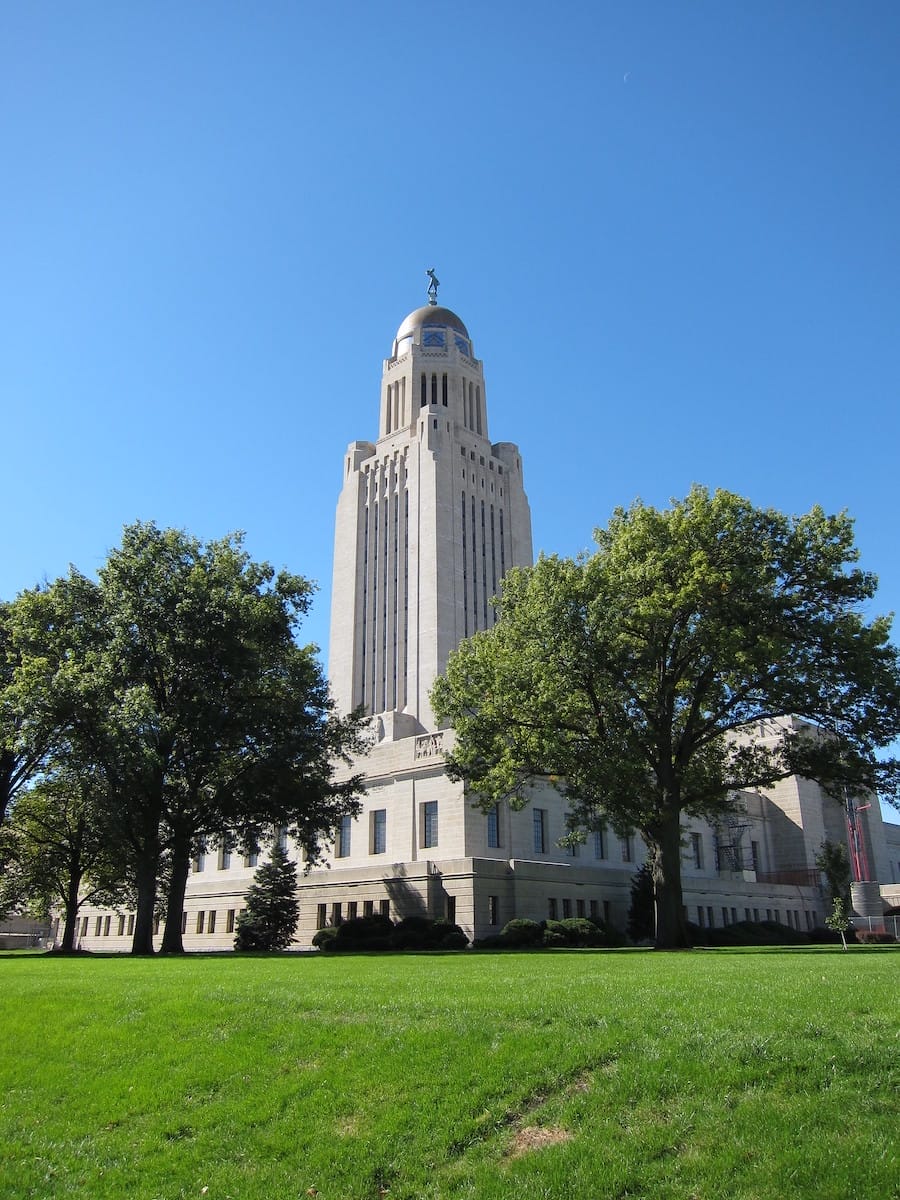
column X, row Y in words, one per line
column 178, row 676
column 61, row 852
column 640, row 680
column 24, row 740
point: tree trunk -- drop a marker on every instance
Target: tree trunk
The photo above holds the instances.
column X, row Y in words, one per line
column 145, row 882
column 73, row 887
column 181, row 863
column 671, row 927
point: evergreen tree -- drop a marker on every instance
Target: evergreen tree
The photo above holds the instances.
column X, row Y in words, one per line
column 270, row 918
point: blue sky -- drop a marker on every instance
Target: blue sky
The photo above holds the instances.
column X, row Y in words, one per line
column 673, row 231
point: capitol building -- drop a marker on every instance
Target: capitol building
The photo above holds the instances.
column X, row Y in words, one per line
column 430, row 516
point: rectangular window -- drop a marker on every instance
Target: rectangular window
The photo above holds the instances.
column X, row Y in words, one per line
column 384, row 908
column 84, row 926
column 567, row 909
column 627, row 850
column 368, row 908
column 342, row 843
column 493, row 910
column 198, row 864
column 98, row 925
column 754, row 851
column 552, row 908
column 183, row 921
column 429, row 819
column 281, row 838
column 595, row 911
column 107, row 921
column 600, row 842
column 251, row 858
column 229, row 921
column 756, row 915
column 336, row 913
column 747, row 916
column 606, row 911
column 697, row 850
column 378, row 830
column 351, row 910
column 450, row 910
column 321, row 916
column 579, row 908
column 224, row 858
column 201, row 915
column 493, row 828
column 211, row 922
column 121, row 924
column 700, row 915
column 709, row 913
column 539, row 818
column 130, row 924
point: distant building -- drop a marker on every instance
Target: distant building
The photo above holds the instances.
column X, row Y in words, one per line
column 430, row 517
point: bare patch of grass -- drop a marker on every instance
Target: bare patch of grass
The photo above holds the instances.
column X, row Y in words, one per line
column 537, row 1137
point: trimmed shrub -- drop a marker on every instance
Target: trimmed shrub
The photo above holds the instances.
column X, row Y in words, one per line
column 522, row 932
column 749, row 933
column 579, row 931
column 493, row 941
column 364, row 933
column 874, row 937
column 323, row 939
column 454, row 941
column 553, row 938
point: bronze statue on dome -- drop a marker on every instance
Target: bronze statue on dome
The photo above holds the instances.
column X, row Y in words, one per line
column 433, row 285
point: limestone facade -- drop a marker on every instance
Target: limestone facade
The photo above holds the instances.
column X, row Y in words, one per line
column 430, row 516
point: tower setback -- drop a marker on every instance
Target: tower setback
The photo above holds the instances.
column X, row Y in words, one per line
column 430, row 517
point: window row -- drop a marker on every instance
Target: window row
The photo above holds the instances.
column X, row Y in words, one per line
column 707, row 916
column 599, row 839
column 565, row 908
column 205, row 921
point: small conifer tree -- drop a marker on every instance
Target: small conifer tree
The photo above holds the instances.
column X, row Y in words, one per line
column 270, row 918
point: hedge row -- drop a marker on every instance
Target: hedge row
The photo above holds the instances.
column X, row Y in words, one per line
column 380, row 933
column 521, row 933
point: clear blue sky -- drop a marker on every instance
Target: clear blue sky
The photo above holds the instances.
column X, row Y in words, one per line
column 673, row 231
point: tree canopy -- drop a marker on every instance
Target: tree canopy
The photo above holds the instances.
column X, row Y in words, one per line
column 647, row 681
column 178, row 678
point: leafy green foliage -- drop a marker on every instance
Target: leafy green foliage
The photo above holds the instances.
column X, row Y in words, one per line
column 60, row 850
column 839, row 919
column 833, row 862
column 177, row 676
column 269, row 920
column 521, row 931
column 659, row 676
column 377, row 932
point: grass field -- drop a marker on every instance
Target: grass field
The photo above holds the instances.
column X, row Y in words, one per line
column 580, row 1076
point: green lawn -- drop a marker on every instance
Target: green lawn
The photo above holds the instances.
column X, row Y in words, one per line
column 584, row 1076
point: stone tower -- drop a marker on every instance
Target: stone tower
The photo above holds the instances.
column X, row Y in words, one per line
column 429, row 518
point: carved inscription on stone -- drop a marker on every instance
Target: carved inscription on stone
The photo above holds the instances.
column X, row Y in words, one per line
column 428, row 745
